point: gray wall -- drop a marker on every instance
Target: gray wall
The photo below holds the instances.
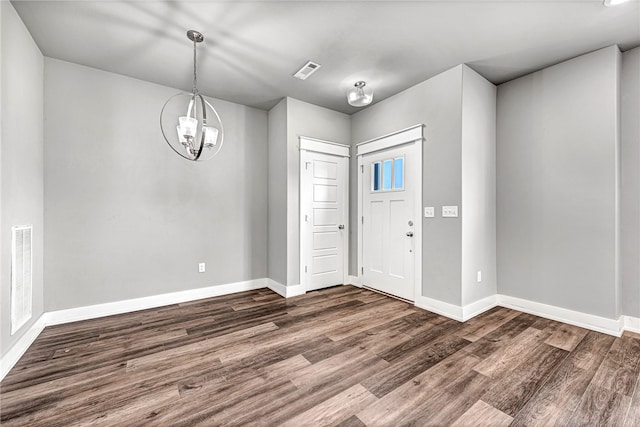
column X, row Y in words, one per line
column 437, row 103
column 478, row 187
column 304, row 119
column 126, row 217
column 630, row 183
column 556, row 184
column 277, row 171
column 21, row 173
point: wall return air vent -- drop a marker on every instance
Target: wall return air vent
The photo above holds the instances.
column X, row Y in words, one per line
column 308, row 69
column 21, row 276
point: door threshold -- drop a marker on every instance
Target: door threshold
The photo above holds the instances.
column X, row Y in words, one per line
column 388, row 295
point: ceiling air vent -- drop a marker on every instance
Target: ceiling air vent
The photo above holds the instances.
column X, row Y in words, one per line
column 308, row 69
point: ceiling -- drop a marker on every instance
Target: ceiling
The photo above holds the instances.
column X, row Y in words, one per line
column 252, row 49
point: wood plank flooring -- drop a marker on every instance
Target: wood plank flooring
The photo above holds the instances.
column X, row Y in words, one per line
column 340, row 356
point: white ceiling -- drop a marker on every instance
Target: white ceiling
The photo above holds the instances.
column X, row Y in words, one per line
column 251, row 49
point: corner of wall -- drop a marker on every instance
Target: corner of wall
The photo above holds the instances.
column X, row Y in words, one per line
column 629, row 296
column 478, row 171
column 618, row 180
column 276, row 191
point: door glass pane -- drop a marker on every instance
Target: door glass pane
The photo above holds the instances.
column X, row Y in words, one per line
column 387, row 171
column 398, row 173
column 375, row 176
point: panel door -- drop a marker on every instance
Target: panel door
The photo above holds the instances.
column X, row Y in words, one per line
column 324, row 201
column 388, row 222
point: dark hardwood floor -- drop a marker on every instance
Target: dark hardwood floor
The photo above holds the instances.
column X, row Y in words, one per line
column 341, row 356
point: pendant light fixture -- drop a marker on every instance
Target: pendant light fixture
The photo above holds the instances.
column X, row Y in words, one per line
column 360, row 95
column 189, row 123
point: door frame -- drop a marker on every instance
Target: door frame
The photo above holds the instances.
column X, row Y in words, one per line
column 306, row 145
column 413, row 134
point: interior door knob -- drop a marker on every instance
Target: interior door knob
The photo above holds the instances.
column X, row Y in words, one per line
column 409, row 233
column 341, row 227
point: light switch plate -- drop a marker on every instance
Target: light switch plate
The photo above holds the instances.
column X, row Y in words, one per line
column 449, row 211
column 429, row 212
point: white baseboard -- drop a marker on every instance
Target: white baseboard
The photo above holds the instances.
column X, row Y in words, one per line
column 446, row 309
column 295, row 290
column 479, row 307
column 583, row 320
column 14, row 354
column 456, row 312
column 354, row 280
column 576, row 318
column 8, row 361
column 588, row 321
column 286, row 291
column 632, row 324
column 126, row 306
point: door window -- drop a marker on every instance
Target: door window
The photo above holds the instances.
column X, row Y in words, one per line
column 387, row 175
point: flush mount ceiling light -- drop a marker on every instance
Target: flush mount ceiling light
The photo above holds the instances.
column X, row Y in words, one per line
column 190, row 125
column 609, row 3
column 360, row 95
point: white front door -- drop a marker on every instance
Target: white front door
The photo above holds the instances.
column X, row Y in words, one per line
column 388, row 223
column 323, row 223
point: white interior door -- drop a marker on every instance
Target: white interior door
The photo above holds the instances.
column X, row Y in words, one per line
column 323, row 223
column 388, row 223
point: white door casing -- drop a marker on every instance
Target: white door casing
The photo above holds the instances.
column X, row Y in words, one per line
column 324, row 204
column 390, row 220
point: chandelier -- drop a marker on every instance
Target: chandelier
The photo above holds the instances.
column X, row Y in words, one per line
column 189, row 123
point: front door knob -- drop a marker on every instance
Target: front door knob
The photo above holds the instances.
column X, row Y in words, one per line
column 409, row 233
column 341, row 227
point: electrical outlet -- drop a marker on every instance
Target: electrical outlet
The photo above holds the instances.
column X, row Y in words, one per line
column 449, row 211
column 429, row 212
column 479, row 276
column 201, row 267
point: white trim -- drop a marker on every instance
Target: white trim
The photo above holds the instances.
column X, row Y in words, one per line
column 400, row 137
column 126, row 306
column 417, row 222
column 346, row 232
column 354, row 280
column 359, row 212
column 456, row 312
column 583, row 320
column 576, row 318
column 295, row 290
column 304, row 199
column 277, row 287
column 286, row 291
column 632, row 324
column 325, row 147
column 413, row 134
column 8, row 361
column 478, row 307
column 446, row 309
